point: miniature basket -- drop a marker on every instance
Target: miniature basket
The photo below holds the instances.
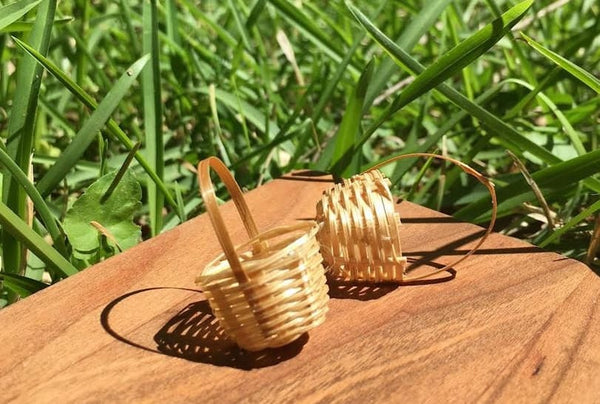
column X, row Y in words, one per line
column 269, row 291
column 360, row 233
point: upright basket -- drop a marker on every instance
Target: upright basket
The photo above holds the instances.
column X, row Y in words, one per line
column 269, row 291
column 360, row 233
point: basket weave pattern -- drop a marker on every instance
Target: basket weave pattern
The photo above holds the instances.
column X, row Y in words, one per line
column 269, row 291
column 285, row 297
column 360, row 234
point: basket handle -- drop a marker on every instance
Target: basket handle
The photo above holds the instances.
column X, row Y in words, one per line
column 208, row 194
column 481, row 178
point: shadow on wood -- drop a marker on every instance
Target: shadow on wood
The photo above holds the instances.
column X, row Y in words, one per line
column 364, row 291
column 194, row 334
column 452, row 249
column 342, row 289
column 424, row 265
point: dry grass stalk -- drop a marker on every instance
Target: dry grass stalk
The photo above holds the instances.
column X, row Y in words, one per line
column 534, row 187
column 106, row 233
column 594, row 242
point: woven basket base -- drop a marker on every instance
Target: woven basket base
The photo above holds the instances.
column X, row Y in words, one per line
column 285, row 294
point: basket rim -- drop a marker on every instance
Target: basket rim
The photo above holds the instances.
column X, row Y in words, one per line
column 221, row 260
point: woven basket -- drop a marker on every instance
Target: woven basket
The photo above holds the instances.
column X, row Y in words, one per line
column 360, row 236
column 269, row 291
column 360, row 233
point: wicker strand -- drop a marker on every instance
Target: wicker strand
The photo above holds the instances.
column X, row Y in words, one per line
column 210, row 200
column 469, row 170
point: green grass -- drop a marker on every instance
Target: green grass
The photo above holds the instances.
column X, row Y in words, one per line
column 153, row 112
column 21, row 135
column 369, row 80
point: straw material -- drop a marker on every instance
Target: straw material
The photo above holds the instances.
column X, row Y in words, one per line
column 360, row 234
column 269, row 291
column 360, row 237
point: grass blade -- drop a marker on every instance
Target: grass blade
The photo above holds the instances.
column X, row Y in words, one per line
column 239, row 24
column 512, row 139
column 21, row 129
column 16, row 227
column 26, row 26
column 581, row 74
column 312, row 31
column 283, row 134
column 571, row 223
column 172, row 26
column 568, row 128
column 556, row 176
column 349, row 129
column 119, row 175
column 454, row 23
column 458, row 57
column 331, row 85
column 525, row 63
column 515, row 141
column 575, row 43
column 199, row 16
column 21, row 285
column 434, row 138
column 113, row 127
column 417, row 27
column 256, row 11
column 12, row 12
column 38, row 201
column 253, row 115
column 218, row 139
column 153, row 113
column 124, row 7
column 88, row 132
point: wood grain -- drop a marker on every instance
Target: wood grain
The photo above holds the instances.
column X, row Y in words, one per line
column 516, row 324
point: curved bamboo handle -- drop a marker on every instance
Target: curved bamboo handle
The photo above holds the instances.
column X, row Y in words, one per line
column 208, row 194
column 484, row 180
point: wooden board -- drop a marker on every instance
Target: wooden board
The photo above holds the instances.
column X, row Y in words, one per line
column 516, row 324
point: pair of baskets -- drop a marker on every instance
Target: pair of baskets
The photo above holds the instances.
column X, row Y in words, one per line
column 269, row 291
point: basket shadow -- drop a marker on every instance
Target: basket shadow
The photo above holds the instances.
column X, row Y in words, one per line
column 357, row 290
column 415, row 265
column 194, row 334
column 364, row 291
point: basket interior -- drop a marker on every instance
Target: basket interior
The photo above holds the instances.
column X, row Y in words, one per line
column 270, row 249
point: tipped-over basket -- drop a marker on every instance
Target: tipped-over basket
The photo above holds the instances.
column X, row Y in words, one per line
column 269, row 291
column 360, row 233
